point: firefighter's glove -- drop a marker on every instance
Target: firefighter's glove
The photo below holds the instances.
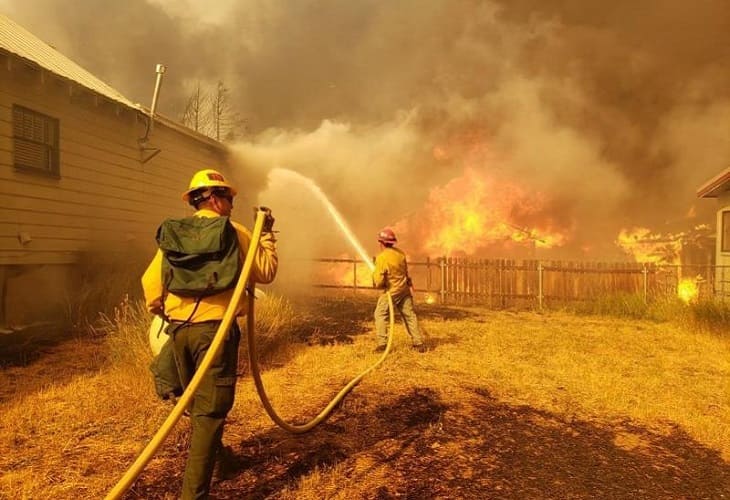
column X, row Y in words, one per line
column 156, row 307
column 268, row 219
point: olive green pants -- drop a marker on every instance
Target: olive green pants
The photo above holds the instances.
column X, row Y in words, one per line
column 404, row 305
column 212, row 400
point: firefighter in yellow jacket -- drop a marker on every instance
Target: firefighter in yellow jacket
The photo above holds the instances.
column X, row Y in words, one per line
column 194, row 322
column 391, row 275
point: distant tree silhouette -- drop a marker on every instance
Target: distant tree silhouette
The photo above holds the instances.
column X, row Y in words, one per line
column 213, row 114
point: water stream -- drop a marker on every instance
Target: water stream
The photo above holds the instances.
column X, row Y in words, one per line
column 284, row 173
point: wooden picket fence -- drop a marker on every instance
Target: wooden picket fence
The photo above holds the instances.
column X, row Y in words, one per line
column 504, row 283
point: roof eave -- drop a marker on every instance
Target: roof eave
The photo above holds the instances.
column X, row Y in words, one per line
column 715, row 186
column 179, row 127
column 162, row 120
column 34, row 64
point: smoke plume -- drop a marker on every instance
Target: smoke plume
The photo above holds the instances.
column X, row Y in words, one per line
column 610, row 113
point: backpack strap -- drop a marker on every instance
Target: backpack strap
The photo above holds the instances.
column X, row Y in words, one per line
column 165, row 293
column 187, row 321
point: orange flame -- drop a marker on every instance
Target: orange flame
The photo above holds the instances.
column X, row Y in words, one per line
column 474, row 211
column 343, row 273
column 687, row 290
column 645, row 246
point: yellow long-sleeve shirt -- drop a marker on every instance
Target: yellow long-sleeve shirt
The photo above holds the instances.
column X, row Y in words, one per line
column 391, row 272
column 212, row 307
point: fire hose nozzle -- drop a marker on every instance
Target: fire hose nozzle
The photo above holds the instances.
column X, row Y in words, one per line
column 268, row 218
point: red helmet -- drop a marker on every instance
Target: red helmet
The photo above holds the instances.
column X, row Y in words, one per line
column 386, row 236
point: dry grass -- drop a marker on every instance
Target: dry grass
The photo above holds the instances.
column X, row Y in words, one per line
column 599, row 368
column 103, row 279
column 77, row 417
column 276, row 323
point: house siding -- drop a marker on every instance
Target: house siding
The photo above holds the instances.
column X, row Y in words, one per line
column 722, row 259
column 105, row 198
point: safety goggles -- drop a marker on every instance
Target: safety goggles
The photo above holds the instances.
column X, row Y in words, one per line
column 222, row 193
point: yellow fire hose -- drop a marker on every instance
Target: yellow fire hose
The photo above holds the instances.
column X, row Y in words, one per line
column 299, row 429
column 148, row 452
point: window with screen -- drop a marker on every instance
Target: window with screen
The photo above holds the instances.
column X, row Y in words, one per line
column 726, row 231
column 35, row 141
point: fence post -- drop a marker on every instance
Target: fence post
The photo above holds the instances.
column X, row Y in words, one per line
column 442, row 292
column 428, row 275
column 539, row 285
column 354, row 275
column 645, row 272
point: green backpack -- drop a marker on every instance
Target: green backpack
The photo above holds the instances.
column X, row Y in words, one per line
column 201, row 255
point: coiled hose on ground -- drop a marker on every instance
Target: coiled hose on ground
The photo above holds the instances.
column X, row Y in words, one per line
column 299, row 429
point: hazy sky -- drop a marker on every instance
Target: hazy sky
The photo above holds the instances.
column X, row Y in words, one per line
column 571, row 116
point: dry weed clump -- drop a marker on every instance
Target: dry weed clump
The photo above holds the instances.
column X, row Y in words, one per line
column 274, row 323
column 126, row 334
column 103, row 280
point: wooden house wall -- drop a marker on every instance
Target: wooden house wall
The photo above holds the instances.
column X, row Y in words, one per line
column 105, row 197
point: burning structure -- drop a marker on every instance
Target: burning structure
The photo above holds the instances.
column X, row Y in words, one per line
column 478, row 214
column 694, row 247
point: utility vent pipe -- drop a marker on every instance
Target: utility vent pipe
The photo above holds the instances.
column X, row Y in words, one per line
column 160, row 71
column 151, row 119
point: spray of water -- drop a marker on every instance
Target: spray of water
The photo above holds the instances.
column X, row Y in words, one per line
column 286, row 174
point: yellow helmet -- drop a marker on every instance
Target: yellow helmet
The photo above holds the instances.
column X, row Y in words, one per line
column 207, row 178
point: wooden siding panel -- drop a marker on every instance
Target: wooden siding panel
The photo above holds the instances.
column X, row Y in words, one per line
column 36, row 258
column 178, row 151
column 29, row 218
column 44, row 214
column 56, row 102
column 103, row 155
column 44, row 232
column 106, row 127
column 78, row 167
column 185, row 151
column 86, row 178
column 85, row 193
column 105, row 194
column 49, row 238
column 12, row 243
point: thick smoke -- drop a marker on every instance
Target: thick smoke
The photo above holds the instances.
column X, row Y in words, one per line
column 613, row 111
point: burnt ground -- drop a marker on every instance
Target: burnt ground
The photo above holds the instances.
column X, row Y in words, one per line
column 483, row 449
column 23, row 346
column 353, row 316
